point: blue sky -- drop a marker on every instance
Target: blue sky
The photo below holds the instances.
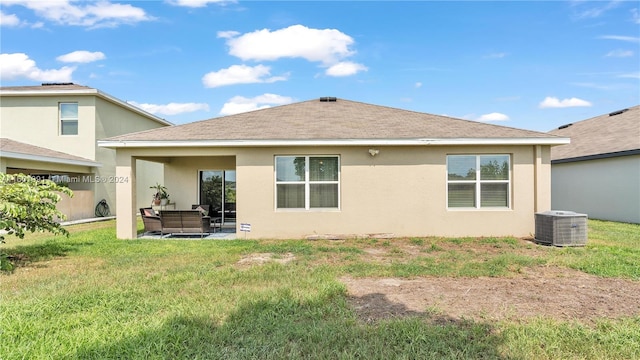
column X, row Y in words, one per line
column 532, row 65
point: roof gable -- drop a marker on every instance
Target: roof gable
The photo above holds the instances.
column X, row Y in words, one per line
column 315, row 120
column 617, row 132
column 65, row 89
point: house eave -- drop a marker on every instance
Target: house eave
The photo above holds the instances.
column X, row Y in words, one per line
column 332, row 142
column 597, row 156
column 48, row 159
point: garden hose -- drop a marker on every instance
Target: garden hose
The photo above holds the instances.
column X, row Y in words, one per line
column 102, row 209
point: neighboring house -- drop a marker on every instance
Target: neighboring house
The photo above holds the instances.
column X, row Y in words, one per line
column 599, row 172
column 51, row 132
column 343, row 168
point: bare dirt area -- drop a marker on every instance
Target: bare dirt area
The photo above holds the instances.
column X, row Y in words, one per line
column 552, row 292
column 262, row 258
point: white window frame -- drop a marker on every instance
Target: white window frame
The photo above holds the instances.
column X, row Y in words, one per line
column 478, row 184
column 307, row 184
column 61, row 119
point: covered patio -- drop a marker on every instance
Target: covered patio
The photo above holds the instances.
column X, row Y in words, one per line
column 193, row 176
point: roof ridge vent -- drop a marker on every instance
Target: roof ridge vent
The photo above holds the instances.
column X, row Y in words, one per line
column 328, row 99
column 57, row 84
column 618, row 112
column 564, row 126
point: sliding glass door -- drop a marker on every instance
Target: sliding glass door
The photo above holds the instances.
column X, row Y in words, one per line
column 218, row 190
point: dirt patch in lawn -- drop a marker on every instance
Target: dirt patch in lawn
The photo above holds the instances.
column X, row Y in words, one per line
column 262, row 258
column 559, row 293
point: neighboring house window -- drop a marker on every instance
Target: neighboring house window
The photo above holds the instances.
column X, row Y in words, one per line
column 307, row 182
column 478, row 181
column 68, row 118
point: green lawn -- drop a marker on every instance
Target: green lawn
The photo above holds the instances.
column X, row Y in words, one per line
column 91, row 296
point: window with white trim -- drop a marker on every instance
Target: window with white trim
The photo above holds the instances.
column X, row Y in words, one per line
column 307, row 182
column 68, row 113
column 478, row 181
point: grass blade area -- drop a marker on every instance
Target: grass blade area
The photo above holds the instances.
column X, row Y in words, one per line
column 91, row 296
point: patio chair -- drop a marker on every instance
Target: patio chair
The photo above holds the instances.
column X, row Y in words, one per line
column 205, row 209
column 152, row 223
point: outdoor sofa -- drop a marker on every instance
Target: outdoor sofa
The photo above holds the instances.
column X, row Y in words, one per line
column 184, row 222
column 175, row 222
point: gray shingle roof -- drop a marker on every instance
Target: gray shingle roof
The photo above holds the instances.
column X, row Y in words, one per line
column 339, row 120
column 47, row 87
column 10, row 148
column 602, row 134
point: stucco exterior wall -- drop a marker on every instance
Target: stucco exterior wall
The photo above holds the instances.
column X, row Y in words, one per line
column 183, row 171
column 34, row 120
column 401, row 191
column 606, row 189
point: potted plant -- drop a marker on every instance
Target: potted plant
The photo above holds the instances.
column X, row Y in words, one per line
column 161, row 196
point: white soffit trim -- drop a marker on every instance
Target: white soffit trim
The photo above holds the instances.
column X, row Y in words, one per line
column 336, row 142
column 48, row 159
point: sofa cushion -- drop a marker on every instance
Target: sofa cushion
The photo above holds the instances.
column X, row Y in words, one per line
column 149, row 212
column 202, row 211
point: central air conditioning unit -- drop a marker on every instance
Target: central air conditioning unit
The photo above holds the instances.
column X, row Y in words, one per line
column 561, row 228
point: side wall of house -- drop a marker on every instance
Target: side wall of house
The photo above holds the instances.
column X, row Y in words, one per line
column 402, row 191
column 606, row 189
column 113, row 120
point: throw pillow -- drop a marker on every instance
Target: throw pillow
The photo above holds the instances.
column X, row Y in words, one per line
column 202, row 211
column 149, row 212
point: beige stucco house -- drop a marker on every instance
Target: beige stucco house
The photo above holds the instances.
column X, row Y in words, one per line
column 51, row 131
column 345, row 168
column 599, row 172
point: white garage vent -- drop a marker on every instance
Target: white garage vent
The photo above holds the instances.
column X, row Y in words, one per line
column 561, row 228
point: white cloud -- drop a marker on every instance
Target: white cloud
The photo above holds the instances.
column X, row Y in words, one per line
column 493, row 117
column 20, row 66
column 327, row 46
column 418, row 85
column 240, row 74
column 90, row 14
column 345, row 68
column 633, row 39
column 594, row 11
column 81, row 56
column 495, row 56
column 198, row 3
column 620, row 53
column 635, row 75
column 9, row 20
column 635, row 16
column 171, row 108
column 240, row 104
column 553, row 102
column 227, row 34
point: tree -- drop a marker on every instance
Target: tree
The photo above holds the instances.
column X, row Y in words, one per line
column 27, row 204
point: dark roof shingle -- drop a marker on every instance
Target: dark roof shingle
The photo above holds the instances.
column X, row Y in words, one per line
column 339, row 120
column 604, row 134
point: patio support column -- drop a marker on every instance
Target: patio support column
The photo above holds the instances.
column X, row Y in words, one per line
column 3, row 165
column 126, row 224
column 542, row 178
